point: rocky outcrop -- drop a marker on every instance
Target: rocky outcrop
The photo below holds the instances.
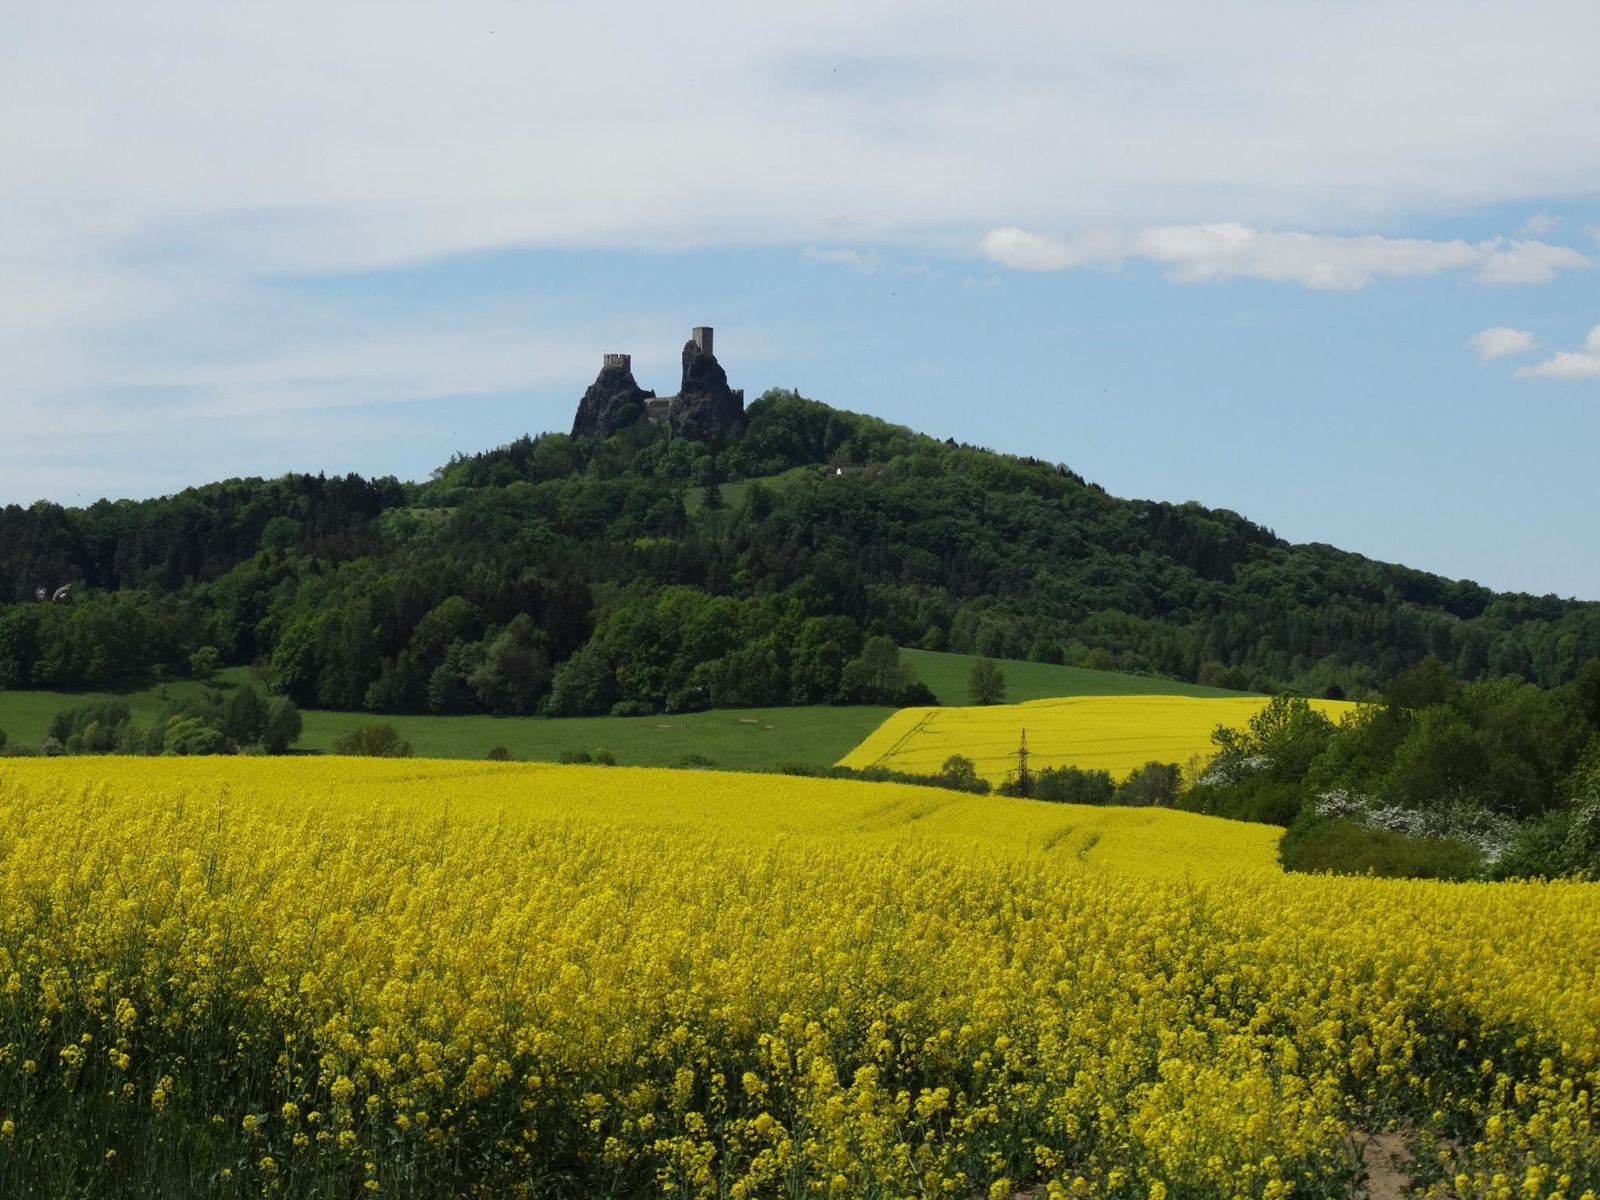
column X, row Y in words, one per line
column 705, row 408
column 614, row 401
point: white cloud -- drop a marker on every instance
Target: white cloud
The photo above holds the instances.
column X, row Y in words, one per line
column 379, row 131
column 1540, row 224
column 1570, row 364
column 1490, row 344
column 1506, row 260
column 1196, row 253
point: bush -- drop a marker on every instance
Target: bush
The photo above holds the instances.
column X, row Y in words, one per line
column 695, row 762
column 633, row 708
column 2, row 739
column 1346, row 847
column 1154, row 784
column 957, row 782
column 189, row 736
column 1070, row 785
column 499, row 754
column 1256, row 797
column 373, row 741
column 602, row 758
column 97, row 728
column 1538, row 849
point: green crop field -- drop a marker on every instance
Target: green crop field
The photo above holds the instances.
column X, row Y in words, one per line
column 947, row 674
column 763, row 737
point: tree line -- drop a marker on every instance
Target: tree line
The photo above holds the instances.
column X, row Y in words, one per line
column 564, row 576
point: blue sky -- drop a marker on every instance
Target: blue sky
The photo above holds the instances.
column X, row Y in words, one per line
column 1333, row 266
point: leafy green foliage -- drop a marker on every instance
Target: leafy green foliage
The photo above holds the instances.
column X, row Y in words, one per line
column 987, row 683
column 205, row 662
column 282, row 727
column 1156, row 784
column 1443, row 764
column 1345, row 847
column 471, row 592
column 960, row 770
column 373, row 741
column 203, row 723
column 1070, row 785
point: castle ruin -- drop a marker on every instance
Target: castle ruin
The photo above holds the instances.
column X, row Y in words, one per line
column 705, row 408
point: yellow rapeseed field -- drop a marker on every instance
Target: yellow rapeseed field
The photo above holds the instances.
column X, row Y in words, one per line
column 236, row 977
column 1118, row 734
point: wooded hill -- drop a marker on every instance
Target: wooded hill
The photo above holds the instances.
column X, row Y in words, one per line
column 569, row 576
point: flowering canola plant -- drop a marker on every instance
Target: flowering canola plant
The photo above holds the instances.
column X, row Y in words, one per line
column 236, row 977
column 1118, row 734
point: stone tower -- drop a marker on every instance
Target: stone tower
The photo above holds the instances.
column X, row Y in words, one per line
column 701, row 336
column 614, row 400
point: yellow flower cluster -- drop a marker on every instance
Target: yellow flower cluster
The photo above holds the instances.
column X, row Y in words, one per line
column 326, row 977
column 1118, row 734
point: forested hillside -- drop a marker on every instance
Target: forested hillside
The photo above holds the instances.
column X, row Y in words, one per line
column 568, row 576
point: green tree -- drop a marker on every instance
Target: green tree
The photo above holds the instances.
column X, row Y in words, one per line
column 987, row 683
column 1072, row 785
column 1287, row 734
column 245, row 716
column 584, row 686
column 878, row 676
column 205, row 661
column 515, row 673
column 281, row 534
column 1154, row 784
column 282, row 727
column 960, row 769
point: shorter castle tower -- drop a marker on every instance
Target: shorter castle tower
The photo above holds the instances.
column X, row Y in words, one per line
column 625, row 361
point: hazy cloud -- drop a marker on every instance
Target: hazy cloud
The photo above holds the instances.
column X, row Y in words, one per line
column 1491, row 344
column 1196, row 253
column 1570, row 364
column 1540, row 224
column 1506, row 260
column 862, row 262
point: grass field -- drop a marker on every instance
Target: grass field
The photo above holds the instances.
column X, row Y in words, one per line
column 947, row 675
column 742, row 738
column 26, row 716
column 327, row 978
column 733, row 494
column 1111, row 733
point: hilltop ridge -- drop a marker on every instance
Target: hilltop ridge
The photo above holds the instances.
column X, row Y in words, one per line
column 565, row 575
